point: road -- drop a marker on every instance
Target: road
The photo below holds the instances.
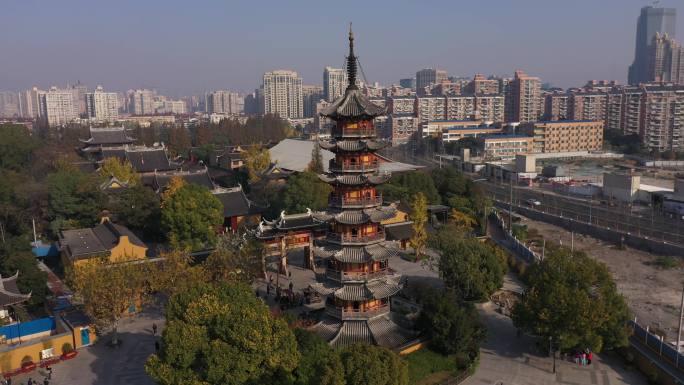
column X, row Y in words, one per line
column 645, row 223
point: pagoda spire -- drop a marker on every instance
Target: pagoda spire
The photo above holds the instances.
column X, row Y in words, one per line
column 351, row 62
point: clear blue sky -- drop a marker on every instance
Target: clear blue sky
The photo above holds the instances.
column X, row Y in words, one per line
column 184, row 47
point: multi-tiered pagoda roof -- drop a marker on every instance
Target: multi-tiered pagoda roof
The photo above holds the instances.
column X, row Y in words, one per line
column 358, row 282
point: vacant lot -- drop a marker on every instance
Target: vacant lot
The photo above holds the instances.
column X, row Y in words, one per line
column 653, row 293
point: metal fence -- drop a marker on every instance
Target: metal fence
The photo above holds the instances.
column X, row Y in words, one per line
column 657, row 345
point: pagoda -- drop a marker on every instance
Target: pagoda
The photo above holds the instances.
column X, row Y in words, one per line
column 357, row 283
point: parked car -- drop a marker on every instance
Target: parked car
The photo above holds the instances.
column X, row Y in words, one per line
column 533, row 202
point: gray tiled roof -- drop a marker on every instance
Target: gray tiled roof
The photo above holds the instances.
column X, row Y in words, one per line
column 109, row 135
column 353, row 104
column 99, row 240
column 148, row 160
column 235, row 202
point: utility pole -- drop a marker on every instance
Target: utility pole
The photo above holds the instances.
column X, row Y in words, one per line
column 510, row 205
column 679, row 331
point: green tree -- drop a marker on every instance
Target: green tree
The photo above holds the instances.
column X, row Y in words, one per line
column 406, row 185
column 419, row 218
column 74, row 198
column 121, row 170
column 305, row 190
column 237, row 258
column 316, row 164
column 572, row 299
column 450, row 326
column 138, row 208
column 223, row 334
column 471, row 269
column 108, row 290
column 191, row 216
column 373, row 365
column 16, row 256
column 175, row 273
column 16, row 147
column 319, row 363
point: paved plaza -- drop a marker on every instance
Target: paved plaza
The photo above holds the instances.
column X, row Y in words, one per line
column 505, row 358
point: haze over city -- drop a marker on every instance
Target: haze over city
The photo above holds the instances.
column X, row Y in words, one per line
column 181, row 47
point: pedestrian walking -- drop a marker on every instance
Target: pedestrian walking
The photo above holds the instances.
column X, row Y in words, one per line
column 268, row 289
column 291, row 286
column 154, row 329
column 49, row 370
column 589, row 357
column 583, row 357
column 577, row 358
column 46, row 381
column 30, row 381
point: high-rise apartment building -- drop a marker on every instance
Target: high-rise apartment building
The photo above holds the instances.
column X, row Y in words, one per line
column 460, row 107
column 141, row 102
column 334, row 83
column 9, row 104
column 57, row 106
column 587, row 106
column 427, row 77
column 101, row 105
column 663, row 119
column 666, row 60
column 556, row 106
column 651, row 21
column 401, row 105
column 524, row 98
column 78, row 91
column 283, row 94
column 224, row 102
column 311, row 95
column 489, row 107
column 429, row 108
column 481, row 85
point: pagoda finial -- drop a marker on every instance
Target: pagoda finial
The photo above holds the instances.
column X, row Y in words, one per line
column 351, row 62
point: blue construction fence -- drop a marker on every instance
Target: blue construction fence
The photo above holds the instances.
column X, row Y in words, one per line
column 23, row 329
column 660, row 347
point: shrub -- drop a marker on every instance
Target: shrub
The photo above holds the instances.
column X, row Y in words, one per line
column 27, row 358
column 667, row 262
column 67, row 348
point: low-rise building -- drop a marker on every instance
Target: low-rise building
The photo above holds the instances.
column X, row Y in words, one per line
column 506, row 145
column 238, row 210
column 565, row 136
column 107, row 239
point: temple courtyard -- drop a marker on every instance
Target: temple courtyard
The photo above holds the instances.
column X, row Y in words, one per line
column 505, row 358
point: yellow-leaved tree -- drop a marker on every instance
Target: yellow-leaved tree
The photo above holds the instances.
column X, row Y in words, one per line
column 257, row 160
column 419, row 218
column 121, row 170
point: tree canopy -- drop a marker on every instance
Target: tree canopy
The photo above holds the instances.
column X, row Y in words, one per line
column 236, row 258
column 257, row 160
column 121, row 170
column 138, row 208
column 305, row 190
column 223, row 334
column 419, row 218
column 16, row 147
column 319, row 363
column 191, row 216
column 316, row 164
column 108, row 290
column 450, row 326
column 373, row 365
column 16, row 256
column 471, row 269
column 74, row 200
column 573, row 299
column 404, row 186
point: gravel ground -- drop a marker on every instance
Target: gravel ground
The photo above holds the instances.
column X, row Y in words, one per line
column 653, row 294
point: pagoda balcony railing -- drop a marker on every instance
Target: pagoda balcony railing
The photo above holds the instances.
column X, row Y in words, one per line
column 345, row 314
column 369, row 166
column 349, row 239
column 344, row 276
column 353, row 132
column 341, row 201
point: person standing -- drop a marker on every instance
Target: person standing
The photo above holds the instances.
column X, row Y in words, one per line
column 590, row 355
column 154, row 329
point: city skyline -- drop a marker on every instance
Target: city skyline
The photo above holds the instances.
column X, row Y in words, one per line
column 182, row 50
